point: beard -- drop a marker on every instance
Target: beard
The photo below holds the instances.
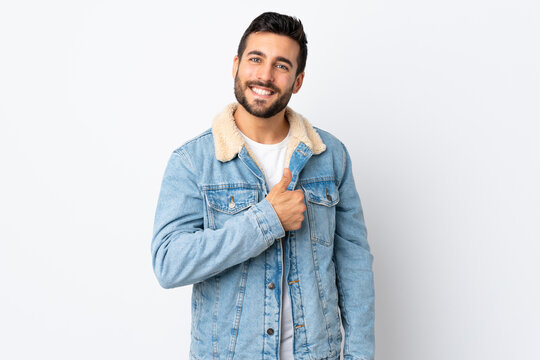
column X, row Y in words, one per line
column 259, row 108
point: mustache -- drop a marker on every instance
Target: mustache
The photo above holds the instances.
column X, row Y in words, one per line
column 263, row 84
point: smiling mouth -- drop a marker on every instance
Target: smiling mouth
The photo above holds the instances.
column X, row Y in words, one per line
column 261, row 92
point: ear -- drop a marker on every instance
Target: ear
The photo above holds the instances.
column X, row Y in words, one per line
column 298, row 82
column 236, row 63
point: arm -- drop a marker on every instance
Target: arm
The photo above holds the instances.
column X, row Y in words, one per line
column 183, row 252
column 354, row 271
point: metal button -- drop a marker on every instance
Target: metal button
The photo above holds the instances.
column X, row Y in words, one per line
column 328, row 196
column 270, row 331
column 271, row 286
column 232, row 204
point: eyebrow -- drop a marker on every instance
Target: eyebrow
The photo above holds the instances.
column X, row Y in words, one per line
column 279, row 58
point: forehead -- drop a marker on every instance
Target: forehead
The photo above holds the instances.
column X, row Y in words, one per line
column 273, row 45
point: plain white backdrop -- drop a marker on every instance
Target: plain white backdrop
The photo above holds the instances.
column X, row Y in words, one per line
column 438, row 103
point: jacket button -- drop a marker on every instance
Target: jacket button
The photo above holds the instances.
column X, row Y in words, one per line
column 270, row 331
column 271, row 286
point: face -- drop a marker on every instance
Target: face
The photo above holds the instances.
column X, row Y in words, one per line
column 265, row 77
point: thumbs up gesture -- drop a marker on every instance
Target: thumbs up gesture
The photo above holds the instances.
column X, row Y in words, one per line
column 288, row 205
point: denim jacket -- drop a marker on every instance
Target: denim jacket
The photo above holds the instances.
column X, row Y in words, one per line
column 215, row 229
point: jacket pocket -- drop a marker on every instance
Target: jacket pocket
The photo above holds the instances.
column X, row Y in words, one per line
column 227, row 202
column 321, row 199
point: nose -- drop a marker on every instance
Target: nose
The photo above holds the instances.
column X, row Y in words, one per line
column 265, row 72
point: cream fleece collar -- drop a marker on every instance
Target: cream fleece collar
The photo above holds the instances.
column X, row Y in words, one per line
column 228, row 141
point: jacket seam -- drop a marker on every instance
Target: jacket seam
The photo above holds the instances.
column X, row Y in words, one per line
column 343, row 163
column 214, row 318
column 205, row 133
column 185, row 157
column 316, row 180
column 224, row 186
column 239, row 308
column 343, row 313
column 322, row 298
column 263, row 226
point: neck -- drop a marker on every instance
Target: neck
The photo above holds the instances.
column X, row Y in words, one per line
column 262, row 130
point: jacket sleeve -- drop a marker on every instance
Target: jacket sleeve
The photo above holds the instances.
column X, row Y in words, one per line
column 353, row 262
column 183, row 252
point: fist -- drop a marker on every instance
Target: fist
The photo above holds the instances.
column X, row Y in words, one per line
column 288, row 205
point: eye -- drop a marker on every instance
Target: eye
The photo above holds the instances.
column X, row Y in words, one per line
column 282, row 67
column 255, row 60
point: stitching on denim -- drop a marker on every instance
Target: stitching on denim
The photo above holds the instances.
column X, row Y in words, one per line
column 312, row 232
column 327, row 204
column 343, row 163
column 196, row 315
column 223, row 186
column 317, row 179
column 239, row 305
column 267, row 227
column 294, row 270
column 260, row 224
column 185, row 157
column 210, row 214
column 237, row 209
column 321, row 296
column 311, row 197
column 214, row 322
column 251, row 164
column 205, row 133
column 223, row 206
column 183, row 154
column 344, row 313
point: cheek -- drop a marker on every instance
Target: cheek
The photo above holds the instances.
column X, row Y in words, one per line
column 288, row 85
column 246, row 70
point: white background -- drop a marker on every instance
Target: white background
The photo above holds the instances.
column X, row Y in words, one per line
column 437, row 101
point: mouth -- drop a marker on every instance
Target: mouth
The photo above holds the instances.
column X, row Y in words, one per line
column 261, row 92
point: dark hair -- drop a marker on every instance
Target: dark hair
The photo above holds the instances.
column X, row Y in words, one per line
column 281, row 25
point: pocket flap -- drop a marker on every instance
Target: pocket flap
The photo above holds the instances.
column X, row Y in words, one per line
column 322, row 192
column 231, row 201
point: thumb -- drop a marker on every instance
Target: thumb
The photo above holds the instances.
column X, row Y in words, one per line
column 285, row 180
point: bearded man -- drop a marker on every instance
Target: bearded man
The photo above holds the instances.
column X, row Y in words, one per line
column 260, row 213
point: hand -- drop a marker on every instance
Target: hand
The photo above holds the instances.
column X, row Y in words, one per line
column 288, row 205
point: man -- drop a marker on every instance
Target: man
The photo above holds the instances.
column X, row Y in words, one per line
column 260, row 213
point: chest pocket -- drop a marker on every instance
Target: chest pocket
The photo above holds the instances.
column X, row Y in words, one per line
column 223, row 204
column 321, row 199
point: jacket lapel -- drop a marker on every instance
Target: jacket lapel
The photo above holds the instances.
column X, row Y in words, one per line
column 298, row 160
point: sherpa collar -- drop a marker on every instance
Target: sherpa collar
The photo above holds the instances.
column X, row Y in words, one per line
column 228, row 141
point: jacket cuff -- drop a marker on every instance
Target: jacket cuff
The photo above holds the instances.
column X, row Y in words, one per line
column 268, row 221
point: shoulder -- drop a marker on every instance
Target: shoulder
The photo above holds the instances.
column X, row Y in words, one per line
column 199, row 144
column 336, row 155
column 333, row 144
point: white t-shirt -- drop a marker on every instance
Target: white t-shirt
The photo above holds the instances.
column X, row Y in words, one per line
column 272, row 159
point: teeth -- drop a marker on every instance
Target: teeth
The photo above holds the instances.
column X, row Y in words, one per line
column 261, row 91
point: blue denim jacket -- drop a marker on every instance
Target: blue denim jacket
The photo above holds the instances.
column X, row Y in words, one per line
column 215, row 229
